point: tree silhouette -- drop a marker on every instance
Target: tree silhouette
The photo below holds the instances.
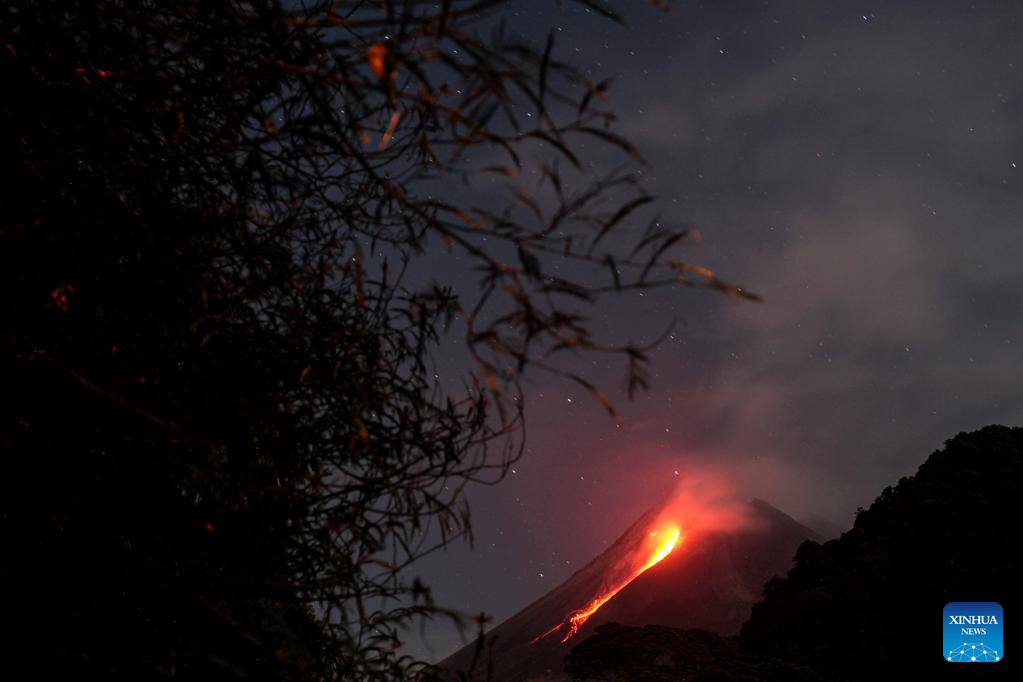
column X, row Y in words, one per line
column 224, row 415
column 657, row 653
column 942, row 533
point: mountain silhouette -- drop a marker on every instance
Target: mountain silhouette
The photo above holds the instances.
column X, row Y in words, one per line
column 711, row 581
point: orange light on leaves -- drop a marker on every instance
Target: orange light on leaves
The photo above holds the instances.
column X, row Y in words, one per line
column 575, row 619
column 376, row 54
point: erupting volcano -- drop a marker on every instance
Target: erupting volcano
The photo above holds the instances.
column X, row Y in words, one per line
column 711, row 582
column 661, row 545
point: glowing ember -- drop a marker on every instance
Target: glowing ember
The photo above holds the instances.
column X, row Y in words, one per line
column 575, row 619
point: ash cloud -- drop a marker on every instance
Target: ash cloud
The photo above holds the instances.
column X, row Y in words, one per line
column 864, row 177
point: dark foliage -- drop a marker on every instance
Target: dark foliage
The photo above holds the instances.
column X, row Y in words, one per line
column 656, row 653
column 941, row 534
column 935, row 537
column 222, row 418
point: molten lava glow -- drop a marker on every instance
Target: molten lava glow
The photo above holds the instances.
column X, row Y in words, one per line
column 575, row 619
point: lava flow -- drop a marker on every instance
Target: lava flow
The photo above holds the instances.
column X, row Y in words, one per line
column 575, row 619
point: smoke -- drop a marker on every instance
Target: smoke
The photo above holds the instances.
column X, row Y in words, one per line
column 705, row 500
column 882, row 238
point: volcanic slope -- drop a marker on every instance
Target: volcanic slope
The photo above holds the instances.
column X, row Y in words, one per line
column 709, row 580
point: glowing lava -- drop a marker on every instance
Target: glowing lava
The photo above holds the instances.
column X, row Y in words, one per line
column 575, row 619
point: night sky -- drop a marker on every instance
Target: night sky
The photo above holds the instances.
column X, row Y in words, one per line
column 860, row 166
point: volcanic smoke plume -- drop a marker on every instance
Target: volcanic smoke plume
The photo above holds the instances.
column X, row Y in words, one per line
column 697, row 559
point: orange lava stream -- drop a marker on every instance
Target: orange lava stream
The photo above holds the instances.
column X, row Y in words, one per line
column 575, row 619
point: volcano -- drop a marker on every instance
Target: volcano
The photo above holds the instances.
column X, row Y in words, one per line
column 658, row 573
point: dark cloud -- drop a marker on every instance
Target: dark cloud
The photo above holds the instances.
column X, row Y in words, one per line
column 862, row 170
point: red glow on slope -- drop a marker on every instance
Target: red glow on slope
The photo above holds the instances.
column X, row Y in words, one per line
column 575, row 619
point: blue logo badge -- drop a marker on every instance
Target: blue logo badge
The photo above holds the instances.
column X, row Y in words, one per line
column 971, row 632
